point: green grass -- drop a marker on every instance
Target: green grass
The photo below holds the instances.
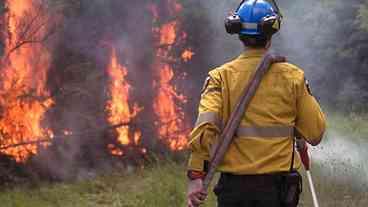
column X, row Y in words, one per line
column 162, row 185
column 339, row 182
column 353, row 124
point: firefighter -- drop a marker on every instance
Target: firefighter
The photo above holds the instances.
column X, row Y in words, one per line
column 260, row 167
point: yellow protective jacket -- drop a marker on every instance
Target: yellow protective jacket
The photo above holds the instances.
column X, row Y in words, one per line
column 263, row 142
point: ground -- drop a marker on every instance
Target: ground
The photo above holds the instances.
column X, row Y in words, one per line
column 340, row 173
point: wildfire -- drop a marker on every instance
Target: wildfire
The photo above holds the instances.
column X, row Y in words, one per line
column 118, row 108
column 24, row 97
column 171, row 124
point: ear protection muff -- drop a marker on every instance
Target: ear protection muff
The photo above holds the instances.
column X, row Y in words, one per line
column 233, row 23
column 268, row 26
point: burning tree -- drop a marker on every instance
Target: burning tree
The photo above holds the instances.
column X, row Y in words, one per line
column 172, row 126
column 24, row 97
column 94, row 94
column 166, row 108
column 118, row 107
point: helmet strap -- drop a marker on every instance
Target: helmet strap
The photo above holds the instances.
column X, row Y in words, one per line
column 277, row 8
column 241, row 3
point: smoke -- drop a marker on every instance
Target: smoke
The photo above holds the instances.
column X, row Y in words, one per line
column 313, row 36
column 223, row 47
column 91, row 30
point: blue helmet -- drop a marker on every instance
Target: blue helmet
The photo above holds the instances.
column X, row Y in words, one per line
column 254, row 18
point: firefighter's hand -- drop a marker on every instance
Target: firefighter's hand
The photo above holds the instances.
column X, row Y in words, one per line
column 196, row 195
column 301, row 145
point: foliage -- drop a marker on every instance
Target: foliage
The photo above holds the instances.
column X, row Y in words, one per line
column 363, row 16
column 354, row 125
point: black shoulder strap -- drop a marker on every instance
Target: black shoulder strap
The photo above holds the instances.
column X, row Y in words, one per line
column 292, row 156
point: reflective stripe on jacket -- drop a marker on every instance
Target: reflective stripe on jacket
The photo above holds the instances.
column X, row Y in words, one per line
column 263, row 142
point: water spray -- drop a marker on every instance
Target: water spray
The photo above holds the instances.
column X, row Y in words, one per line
column 302, row 147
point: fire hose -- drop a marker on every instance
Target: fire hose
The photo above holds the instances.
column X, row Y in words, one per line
column 302, row 147
column 219, row 149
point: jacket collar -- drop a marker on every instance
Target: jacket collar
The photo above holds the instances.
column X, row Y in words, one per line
column 252, row 52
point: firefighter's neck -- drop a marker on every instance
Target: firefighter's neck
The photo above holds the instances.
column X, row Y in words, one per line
column 266, row 48
column 263, row 49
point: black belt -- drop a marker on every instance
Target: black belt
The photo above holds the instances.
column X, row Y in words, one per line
column 261, row 179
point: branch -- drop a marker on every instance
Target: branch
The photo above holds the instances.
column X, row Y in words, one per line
column 25, row 143
column 30, row 23
column 20, row 44
column 64, row 136
column 32, row 28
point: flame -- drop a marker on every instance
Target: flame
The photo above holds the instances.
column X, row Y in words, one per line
column 119, row 111
column 24, row 97
column 187, row 55
column 171, row 121
column 67, row 132
column 168, row 33
column 171, row 124
column 114, row 150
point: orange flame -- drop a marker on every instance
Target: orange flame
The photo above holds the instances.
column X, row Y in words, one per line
column 119, row 111
column 115, row 151
column 168, row 33
column 24, row 97
column 187, row 55
column 171, row 124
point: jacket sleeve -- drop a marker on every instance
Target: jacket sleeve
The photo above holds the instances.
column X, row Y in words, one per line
column 310, row 120
column 208, row 124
